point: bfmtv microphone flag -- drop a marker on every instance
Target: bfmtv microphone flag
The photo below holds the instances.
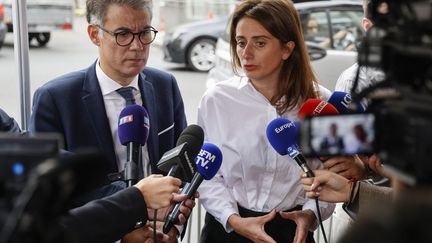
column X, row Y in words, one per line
column 208, row 162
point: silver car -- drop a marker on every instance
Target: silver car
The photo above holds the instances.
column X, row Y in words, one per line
column 332, row 26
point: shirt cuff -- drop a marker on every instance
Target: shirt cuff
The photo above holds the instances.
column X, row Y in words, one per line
column 310, row 204
column 224, row 219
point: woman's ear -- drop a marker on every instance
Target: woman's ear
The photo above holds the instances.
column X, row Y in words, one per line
column 289, row 48
column 93, row 33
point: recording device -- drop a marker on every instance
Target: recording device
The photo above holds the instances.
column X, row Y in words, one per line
column 398, row 44
column 208, row 162
column 133, row 131
column 332, row 135
column 38, row 185
column 19, row 154
column 49, row 192
column 178, row 162
column 282, row 133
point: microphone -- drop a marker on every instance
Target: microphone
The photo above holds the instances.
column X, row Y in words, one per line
column 133, row 131
column 342, row 101
column 178, row 161
column 281, row 133
column 316, row 107
column 208, row 162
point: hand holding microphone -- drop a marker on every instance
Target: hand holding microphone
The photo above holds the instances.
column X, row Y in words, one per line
column 158, row 191
column 208, row 163
column 327, row 186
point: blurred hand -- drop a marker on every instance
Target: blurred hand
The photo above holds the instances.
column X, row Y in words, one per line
column 252, row 227
column 144, row 234
column 171, row 237
column 376, row 166
column 351, row 167
column 326, row 186
column 158, row 190
column 304, row 221
column 185, row 209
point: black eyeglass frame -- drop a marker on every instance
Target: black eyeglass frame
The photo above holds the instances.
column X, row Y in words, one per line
column 115, row 34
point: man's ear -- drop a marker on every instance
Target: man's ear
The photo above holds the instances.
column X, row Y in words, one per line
column 93, row 33
column 289, row 48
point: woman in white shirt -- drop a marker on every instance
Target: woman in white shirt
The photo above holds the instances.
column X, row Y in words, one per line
column 246, row 200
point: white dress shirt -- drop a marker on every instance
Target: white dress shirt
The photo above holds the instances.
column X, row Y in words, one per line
column 114, row 104
column 368, row 76
column 234, row 116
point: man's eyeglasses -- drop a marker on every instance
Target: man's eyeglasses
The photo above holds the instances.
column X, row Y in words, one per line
column 126, row 37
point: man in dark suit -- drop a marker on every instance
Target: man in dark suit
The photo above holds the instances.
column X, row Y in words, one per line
column 85, row 105
column 7, row 123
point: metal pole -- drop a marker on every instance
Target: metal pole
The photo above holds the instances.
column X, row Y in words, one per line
column 21, row 49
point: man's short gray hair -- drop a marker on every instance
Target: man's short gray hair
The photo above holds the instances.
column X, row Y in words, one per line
column 97, row 9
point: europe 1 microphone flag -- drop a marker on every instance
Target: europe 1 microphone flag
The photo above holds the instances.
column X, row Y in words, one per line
column 282, row 133
column 208, row 162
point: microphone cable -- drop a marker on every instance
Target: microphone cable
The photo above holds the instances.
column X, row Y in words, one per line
column 154, row 225
column 320, row 220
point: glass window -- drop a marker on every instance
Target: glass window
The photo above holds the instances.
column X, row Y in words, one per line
column 346, row 28
column 316, row 28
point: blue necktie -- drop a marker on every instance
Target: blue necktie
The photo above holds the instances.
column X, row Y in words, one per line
column 126, row 93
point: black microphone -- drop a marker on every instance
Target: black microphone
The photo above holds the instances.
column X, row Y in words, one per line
column 208, row 163
column 133, row 130
column 178, row 162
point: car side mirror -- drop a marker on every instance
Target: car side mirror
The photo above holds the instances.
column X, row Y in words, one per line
column 315, row 52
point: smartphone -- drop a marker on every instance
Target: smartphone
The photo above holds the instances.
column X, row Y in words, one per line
column 332, row 135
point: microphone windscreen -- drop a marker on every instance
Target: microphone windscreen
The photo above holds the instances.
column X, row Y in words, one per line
column 133, row 125
column 193, row 135
column 209, row 160
column 316, row 107
column 342, row 100
column 281, row 133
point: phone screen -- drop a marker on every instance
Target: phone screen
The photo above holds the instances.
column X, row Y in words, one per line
column 342, row 134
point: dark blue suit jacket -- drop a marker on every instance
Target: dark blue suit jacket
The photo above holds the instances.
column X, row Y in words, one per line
column 98, row 221
column 73, row 106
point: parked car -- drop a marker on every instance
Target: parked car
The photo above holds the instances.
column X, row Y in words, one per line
column 43, row 17
column 337, row 31
column 3, row 28
column 194, row 44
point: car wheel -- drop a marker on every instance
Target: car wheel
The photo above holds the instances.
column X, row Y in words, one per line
column 201, row 55
column 1, row 44
column 43, row 38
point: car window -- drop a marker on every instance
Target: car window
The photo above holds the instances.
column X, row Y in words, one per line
column 346, row 29
column 343, row 32
column 316, row 27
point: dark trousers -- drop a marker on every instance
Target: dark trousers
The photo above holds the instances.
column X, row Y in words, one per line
column 281, row 230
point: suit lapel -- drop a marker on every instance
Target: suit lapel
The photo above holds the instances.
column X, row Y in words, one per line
column 149, row 102
column 95, row 108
